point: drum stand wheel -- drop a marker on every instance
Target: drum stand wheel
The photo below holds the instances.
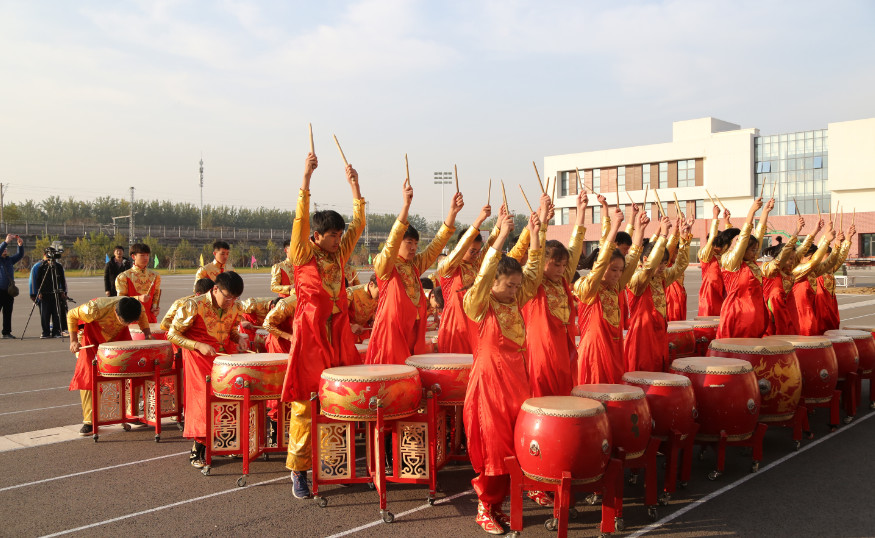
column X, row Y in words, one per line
column 551, row 524
column 572, row 513
column 620, row 524
column 241, row 481
column 181, row 426
column 652, row 513
column 126, row 427
column 206, row 470
column 388, row 517
column 714, row 475
column 593, row 499
column 96, row 437
column 663, row 498
column 430, row 500
column 321, row 502
column 157, row 438
column 755, row 466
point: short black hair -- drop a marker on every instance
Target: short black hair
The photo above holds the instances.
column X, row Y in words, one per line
column 648, row 249
column 373, row 279
column 129, row 309
column 811, row 250
column 287, row 243
column 589, row 260
column 203, row 285
column 274, row 301
column 231, row 282
column 140, row 248
column 508, row 266
column 438, row 295
column 779, row 238
column 617, row 255
column 556, row 251
column 623, row 239
column 218, row 245
column 724, row 238
column 773, row 251
column 426, row 283
column 118, row 247
column 411, row 233
column 477, row 237
column 328, row 221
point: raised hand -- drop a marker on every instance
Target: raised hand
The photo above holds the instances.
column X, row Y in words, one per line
column 820, row 224
column 407, row 193
column 9, row 238
column 800, row 224
column 726, row 214
column 535, row 223
column 582, row 201
column 643, row 220
column 852, row 231
column 505, row 224
column 484, row 214
column 664, row 226
column 310, row 164
column 715, row 211
column 840, row 236
column 770, row 205
column 456, row 204
column 602, row 200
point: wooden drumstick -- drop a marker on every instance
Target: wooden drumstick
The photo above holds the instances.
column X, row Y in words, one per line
column 719, row 202
column 795, row 203
column 526, row 198
column 817, row 202
column 504, row 197
column 644, row 203
column 312, row 150
column 406, row 167
column 489, row 192
column 659, row 203
column 854, row 218
column 342, row 156
column 617, row 186
column 87, row 347
column 543, row 190
column 678, row 205
column 762, row 188
column 456, row 172
column 630, row 197
column 710, row 197
column 774, row 185
column 580, row 184
column 555, row 181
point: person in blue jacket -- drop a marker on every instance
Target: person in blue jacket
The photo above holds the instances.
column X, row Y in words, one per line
column 7, row 277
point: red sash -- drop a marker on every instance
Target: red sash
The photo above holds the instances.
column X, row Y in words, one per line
column 197, row 367
column 397, row 333
column 91, row 335
column 147, row 304
column 550, row 351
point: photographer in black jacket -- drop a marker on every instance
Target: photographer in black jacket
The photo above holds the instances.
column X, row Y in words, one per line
column 114, row 267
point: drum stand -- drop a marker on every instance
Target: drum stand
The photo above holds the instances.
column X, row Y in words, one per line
column 851, row 387
column 454, row 451
column 610, row 486
column 799, row 423
column 870, row 375
column 646, row 461
column 115, row 400
column 234, row 428
column 834, row 404
column 418, row 450
column 675, row 444
column 755, row 442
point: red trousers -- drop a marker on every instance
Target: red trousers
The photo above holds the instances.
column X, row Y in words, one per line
column 491, row 489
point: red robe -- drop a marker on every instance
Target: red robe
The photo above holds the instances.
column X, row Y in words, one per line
column 285, row 281
column 743, row 314
column 454, row 334
column 676, row 302
column 281, row 345
column 781, row 307
column 600, row 353
column 712, row 292
column 147, row 304
column 91, row 335
column 804, row 296
column 196, row 367
column 497, row 387
column 256, row 324
column 320, row 339
column 825, row 303
column 550, row 352
column 399, row 326
column 647, row 340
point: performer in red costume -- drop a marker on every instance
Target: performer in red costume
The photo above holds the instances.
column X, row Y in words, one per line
column 814, row 263
column 203, row 327
column 778, row 281
column 600, row 353
column 282, row 274
column 279, row 323
column 744, row 314
column 140, row 282
column 321, row 337
column 676, row 293
column 252, row 313
column 402, row 310
column 711, row 293
column 499, row 382
column 825, row 303
column 551, row 352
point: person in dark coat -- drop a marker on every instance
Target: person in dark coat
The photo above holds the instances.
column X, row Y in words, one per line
column 114, row 267
column 7, row 277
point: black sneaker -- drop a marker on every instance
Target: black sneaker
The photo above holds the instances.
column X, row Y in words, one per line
column 300, row 487
column 196, row 457
column 6, row 336
column 86, row 430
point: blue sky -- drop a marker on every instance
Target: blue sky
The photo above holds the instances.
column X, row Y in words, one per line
column 96, row 97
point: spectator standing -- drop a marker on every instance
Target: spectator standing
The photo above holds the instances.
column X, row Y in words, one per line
column 114, row 267
column 7, row 277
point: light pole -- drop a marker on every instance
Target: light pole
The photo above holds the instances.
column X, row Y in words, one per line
column 443, row 178
column 202, row 193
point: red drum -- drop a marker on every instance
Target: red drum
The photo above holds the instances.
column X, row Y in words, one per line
column 134, row 358
column 864, row 339
column 155, row 328
column 445, row 374
column 259, row 345
column 263, row 371
column 554, row 434
column 671, row 400
column 628, row 414
column 354, row 392
column 847, row 356
column 727, row 396
column 705, row 330
column 363, row 351
column 776, row 368
column 681, row 336
column 817, row 361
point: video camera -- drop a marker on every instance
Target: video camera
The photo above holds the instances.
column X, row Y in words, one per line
column 55, row 251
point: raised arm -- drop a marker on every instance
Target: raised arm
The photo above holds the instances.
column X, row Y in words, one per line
column 606, row 217
column 575, row 243
column 801, row 271
column 731, row 261
column 683, row 256
column 773, row 267
column 634, row 253
column 533, row 271
column 357, row 226
column 643, row 274
column 707, row 251
column 760, row 232
column 476, row 300
column 385, row 260
column 426, row 258
column 300, row 250
column 586, row 289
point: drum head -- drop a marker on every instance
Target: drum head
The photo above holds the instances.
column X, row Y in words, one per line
column 867, row 328
column 134, row 344
column 708, row 318
column 704, row 324
column 679, row 326
column 802, row 342
column 607, row 392
column 711, row 365
column 563, row 406
column 361, row 348
column 657, row 379
column 752, row 346
column 370, row 372
column 850, row 333
column 839, row 338
column 442, row 361
column 252, row 359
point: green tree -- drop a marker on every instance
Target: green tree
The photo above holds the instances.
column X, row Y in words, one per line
column 184, row 255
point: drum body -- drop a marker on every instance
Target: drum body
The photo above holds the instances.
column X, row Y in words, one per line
column 708, row 318
column 445, row 374
column 817, row 361
column 682, row 337
column 155, row 328
column 134, row 358
column 865, row 342
column 259, row 345
column 628, row 415
column 847, row 357
column 363, row 351
column 777, row 371
column 354, row 392
column 264, row 372
column 727, row 396
column 671, row 400
column 705, row 330
column 554, row 434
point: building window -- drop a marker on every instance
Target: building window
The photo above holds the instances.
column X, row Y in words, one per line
column 597, row 179
column 645, row 174
column 686, row 173
column 663, row 176
column 621, row 177
column 818, row 162
column 700, row 209
column 764, row 167
column 596, row 215
column 867, row 245
column 563, row 215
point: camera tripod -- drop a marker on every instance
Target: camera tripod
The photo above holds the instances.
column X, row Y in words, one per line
column 58, row 295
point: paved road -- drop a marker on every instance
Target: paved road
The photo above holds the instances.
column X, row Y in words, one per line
column 128, row 484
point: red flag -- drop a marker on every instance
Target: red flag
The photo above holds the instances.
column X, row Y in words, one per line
column 252, row 262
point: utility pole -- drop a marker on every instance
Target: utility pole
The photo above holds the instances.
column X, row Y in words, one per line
column 2, row 192
column 367, row 229
column 131, row 216
column 443, row 178
column 202, row 192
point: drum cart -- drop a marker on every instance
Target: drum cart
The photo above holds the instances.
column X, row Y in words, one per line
column 755, row 442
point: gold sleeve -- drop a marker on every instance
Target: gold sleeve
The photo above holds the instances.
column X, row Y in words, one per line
column 353, row 231
column 632, row 258
column 827, row 264
column 575, row 247
column 606, row 227
column 476, row 300
column 843, row 255
column 183, row 319
column 801, row 271
column 451, row 262
column 426, row 258
column 283, row 310
column 706, row 252
column 84, row 313
column 630, row 228
column 121, row 284
column 156, row 292
column 731, row 261
column 234, row 333
column 276, row 280
column 587, row 288
column 802, row 250
column 676, row 271
column 773, row 267
column 201, row 273
column 519, row 250
column 385, row 260
column 171, row 313
column 671, row 247
column 493, row 235
column 533, row 275
column 143, row 322
column 761, row 230
column 300, row 250
column 642, row 275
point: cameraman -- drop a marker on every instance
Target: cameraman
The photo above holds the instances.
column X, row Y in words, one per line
column 7, row 277
column 48, row 288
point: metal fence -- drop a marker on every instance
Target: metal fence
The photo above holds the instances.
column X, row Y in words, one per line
column 145, row 230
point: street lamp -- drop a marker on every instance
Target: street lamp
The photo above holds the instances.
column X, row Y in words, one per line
column 443, row 178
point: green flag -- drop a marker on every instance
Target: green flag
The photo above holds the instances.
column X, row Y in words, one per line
column 155, row 265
